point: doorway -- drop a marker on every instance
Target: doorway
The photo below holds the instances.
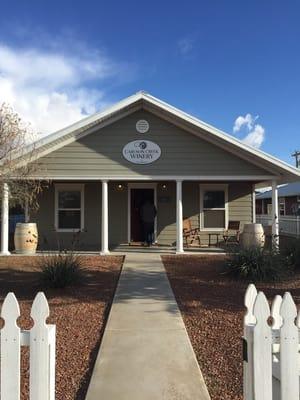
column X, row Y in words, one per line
column 138, row 194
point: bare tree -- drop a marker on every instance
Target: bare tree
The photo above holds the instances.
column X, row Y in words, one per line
column 17, row 161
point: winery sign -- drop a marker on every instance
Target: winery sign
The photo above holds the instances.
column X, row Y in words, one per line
column 141, row 152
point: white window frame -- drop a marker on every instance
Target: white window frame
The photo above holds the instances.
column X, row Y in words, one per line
column 64, row 187
column 281, row 201
column 212, row 187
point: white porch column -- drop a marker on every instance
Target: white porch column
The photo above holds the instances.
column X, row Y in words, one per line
column 275, row 217
column 104, row 220
column 5, row 221
column 253, row 205
column 26, row 211
column 179, row 218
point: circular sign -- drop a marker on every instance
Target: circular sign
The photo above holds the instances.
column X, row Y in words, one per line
column 141, row 152
column 142, row 126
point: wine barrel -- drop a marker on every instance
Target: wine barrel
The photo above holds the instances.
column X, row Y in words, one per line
column 253, row 236
column 26, row 238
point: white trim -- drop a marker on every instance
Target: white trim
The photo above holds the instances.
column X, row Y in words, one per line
column 66, row 187
column 104, row 218
column 219, row 178
column 275, row 216
column 5, row 221
column 26, row 211
column 140, row 186
column 179, row 218
column 209, row 186
column 253, row 205
column 142, row 99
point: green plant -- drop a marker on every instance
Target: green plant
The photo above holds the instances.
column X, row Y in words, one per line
column 256, row 264
column 291, row 250
column 61, row 270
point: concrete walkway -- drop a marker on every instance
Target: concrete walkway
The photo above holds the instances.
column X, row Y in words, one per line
column 145, row 352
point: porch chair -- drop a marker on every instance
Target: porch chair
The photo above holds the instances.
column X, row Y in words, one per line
column 190, row 234
column 232, row 233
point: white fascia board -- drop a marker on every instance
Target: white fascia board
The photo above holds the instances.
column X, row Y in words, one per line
column 222, row 135
column 141, row 178
column 95, row 119
column 84, row 123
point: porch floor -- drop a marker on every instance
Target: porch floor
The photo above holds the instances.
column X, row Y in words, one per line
column 125, row 248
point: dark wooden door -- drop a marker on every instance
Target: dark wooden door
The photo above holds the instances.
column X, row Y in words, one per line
column 138, row 198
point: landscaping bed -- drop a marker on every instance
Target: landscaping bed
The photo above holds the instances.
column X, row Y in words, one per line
column 79, row 312
column 212, row 307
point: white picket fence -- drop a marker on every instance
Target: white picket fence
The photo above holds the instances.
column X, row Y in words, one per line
column 41, row 341
column 271, row 348
column 288, row 224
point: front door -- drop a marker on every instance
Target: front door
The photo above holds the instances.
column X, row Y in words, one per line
column 138, row 198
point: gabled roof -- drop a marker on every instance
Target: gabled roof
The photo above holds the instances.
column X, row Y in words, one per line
column 291, row 189
column 142, row 100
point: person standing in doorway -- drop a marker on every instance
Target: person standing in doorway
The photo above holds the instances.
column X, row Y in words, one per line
column 148, row 214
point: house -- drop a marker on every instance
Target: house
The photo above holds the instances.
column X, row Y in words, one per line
column 101, row 169
column 288, row 200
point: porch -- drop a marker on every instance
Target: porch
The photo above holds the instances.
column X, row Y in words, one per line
column 103, row 217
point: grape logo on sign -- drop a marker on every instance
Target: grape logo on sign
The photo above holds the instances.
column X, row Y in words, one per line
column 141, row 145
column 141, row 152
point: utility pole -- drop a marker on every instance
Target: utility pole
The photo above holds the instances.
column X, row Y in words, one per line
column 297, row 158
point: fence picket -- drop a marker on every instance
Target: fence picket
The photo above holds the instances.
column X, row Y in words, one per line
column 250, row 297
column 39, row 350
column 262, row 350
column 249, row 320
column 275, row 312
column 289, row 350
column 10, row 349
column 298, row 320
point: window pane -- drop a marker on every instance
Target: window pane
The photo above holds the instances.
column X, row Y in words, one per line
column 69, row 219
column 214, row 219
column 214, row 199
column 69, row 199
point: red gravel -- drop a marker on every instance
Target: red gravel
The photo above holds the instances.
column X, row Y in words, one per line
column 212, row 309
column 79, row 313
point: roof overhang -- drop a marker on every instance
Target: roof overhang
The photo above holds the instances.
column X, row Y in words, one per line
column 282, row 171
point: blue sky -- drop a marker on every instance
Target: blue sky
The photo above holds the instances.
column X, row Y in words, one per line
column 233, row 64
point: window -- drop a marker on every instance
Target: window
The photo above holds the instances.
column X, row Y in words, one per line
column 69, row 214
column 213, row 207
column 281, row 205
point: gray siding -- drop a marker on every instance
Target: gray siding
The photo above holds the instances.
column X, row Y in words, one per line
column 49, row 239
column 166, row 214
column 100, row 153
column 240, row 208
column 117, row 214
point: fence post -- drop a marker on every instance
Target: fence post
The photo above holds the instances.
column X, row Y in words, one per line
column 52, row 346
column 41, row 357
column 289, row 373
column 297, row 225
column 10, row 349
column 249, row 322
column 262, row 350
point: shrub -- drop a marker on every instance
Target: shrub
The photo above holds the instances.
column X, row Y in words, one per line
column 256, row 264
column 291, row 251
column 61, row 270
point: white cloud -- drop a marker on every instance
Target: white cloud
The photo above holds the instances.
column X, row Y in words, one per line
column 255, row 133
column 185, row 46
column 256, row 137
column 52, row 88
